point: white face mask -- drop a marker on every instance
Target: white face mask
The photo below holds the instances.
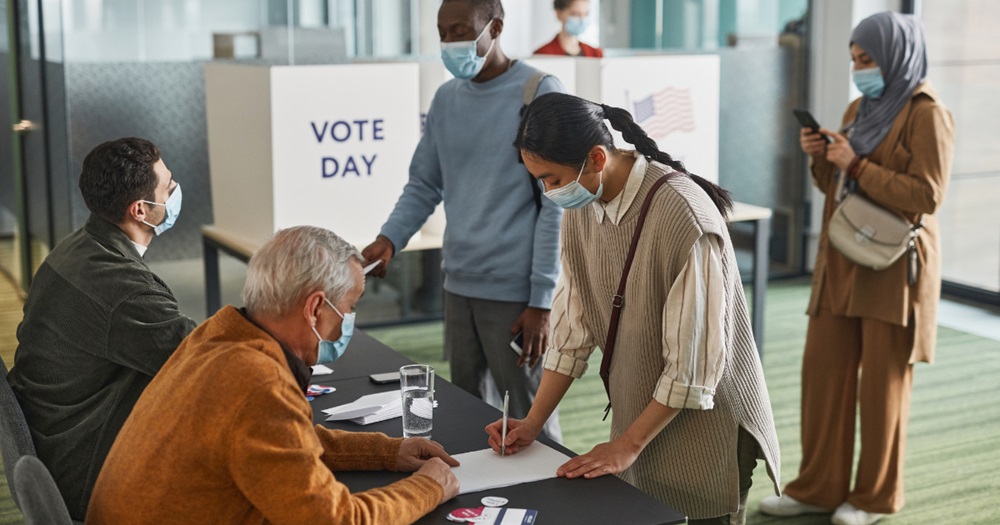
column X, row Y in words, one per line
column 574, row 195
column 462, row 58
column 173, row 207
column 576, row 25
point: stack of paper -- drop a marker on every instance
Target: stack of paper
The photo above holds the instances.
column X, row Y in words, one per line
column 377, row 407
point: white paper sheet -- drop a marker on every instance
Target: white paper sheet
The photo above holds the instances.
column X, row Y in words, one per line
column 486, row 469
column 321, row 370
column 507, row 516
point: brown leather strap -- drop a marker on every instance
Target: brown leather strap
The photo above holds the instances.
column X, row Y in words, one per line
column 619, row 299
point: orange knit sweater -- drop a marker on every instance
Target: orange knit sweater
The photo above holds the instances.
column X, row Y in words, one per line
column 223, row 434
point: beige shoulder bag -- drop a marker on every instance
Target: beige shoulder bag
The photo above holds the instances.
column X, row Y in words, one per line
column 869, row 234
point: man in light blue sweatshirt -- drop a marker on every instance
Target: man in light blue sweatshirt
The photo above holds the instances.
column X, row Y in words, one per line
column 501, row 244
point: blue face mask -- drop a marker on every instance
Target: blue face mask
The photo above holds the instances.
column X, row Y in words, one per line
column 462, row 58
column 173, row 206
column 869, row 81
column 330, row 351
column 574, row 195
column 576, row 25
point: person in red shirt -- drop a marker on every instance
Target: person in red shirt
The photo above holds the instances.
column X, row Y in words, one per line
column 575, row 17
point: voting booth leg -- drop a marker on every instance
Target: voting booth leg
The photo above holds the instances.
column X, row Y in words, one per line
column 762, row 242
column 213, row 293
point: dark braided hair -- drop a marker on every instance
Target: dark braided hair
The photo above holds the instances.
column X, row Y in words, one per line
column 549, row 121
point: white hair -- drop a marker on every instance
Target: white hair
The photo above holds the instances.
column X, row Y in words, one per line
column 295, row 263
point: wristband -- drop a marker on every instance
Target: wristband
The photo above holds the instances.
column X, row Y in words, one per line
column 852, row 168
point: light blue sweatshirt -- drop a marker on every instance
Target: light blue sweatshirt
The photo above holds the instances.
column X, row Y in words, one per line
column 497, row 245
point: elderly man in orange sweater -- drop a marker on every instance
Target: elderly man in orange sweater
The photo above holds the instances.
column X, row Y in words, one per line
column 224, row 434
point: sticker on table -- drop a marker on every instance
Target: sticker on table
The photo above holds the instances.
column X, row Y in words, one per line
column 319, row 390
column 494, row 501
column 467, row 514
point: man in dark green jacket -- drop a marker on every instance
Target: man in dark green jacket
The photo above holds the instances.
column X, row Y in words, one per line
column 98, row 324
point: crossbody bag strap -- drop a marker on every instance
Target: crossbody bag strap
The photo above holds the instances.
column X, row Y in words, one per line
column 618, row 301
column 530, row 91
column 531, row 87
column 919, row 223
column 912, row 259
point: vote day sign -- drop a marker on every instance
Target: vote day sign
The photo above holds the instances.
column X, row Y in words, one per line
column 326, row 146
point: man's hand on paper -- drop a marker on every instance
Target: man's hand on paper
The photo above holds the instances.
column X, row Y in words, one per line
column 380, row 250
column 520, row 433
column 534, row 322
column 439, row 471
column 415, row 452
column 607, row 458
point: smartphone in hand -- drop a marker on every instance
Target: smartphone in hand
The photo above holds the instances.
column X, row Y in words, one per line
column 517, row 345
column 807, row 121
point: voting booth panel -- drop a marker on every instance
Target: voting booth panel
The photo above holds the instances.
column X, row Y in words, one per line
column 331, row 145
column 675, row 98
column 320, row 145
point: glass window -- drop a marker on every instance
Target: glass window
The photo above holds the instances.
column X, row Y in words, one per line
column 709, row 24
column 279, row 31
column 965, row 68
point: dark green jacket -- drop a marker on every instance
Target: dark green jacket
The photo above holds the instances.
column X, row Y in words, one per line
column 98, row 324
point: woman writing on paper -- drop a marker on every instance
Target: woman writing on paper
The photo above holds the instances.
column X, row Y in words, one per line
column 575, row 18
column 897, row 146
column 691, row 413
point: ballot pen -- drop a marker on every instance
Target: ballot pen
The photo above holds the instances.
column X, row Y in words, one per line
column 503, row 437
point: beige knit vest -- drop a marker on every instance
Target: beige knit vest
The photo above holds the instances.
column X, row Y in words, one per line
column 691, row 465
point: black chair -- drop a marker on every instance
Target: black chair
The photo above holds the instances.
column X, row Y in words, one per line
column 40, row 500
column 15, row 437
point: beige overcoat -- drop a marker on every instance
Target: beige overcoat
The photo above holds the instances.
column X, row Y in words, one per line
column 907, row 173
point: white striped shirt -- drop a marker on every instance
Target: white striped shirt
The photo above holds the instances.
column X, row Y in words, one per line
column 692, row 318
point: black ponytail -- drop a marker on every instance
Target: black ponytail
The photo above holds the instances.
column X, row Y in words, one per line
column 563, row 129
column 622, row 121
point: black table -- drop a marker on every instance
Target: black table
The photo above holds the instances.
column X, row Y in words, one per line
column 459, row 421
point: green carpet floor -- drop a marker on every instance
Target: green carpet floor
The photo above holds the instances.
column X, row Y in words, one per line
column 953, row 457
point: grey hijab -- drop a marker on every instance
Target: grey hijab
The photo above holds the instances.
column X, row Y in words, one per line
column 896, row 44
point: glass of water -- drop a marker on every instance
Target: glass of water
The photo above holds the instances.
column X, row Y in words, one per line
column 417, row 386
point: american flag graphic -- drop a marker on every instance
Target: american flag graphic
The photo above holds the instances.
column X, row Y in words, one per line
column 665, row 112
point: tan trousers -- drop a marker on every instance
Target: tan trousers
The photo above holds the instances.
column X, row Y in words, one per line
column 836, row 348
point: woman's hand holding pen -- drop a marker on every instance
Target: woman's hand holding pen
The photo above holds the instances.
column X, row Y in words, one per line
column 520, row 433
